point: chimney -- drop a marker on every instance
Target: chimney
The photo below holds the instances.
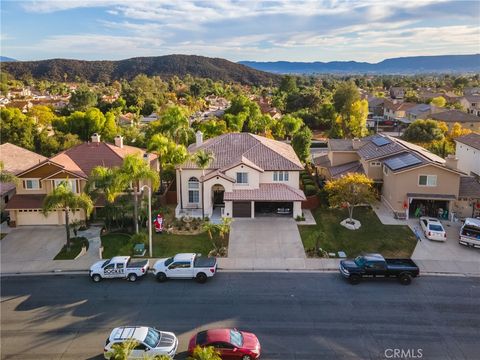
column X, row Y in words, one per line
column 356, row 143
column 451, row 162
column 199, row 137
column 119, row 141
column 95, row 138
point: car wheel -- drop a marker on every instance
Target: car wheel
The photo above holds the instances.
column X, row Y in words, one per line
column 354, row 279
column 96, row 278
column 161, row 277
column 405, row 279
column 246, row 357
column 132, row 277
column 201, row 278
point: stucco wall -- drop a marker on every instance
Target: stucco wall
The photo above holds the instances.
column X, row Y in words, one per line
column 253, row 177
column 468, row 159
column 297, row 208
column 293, row 178
column 373, row 172
column 340, row 157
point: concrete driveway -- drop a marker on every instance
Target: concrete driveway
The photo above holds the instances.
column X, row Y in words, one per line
column 27, row 247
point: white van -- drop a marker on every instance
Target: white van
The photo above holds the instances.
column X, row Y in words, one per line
column 470, row 233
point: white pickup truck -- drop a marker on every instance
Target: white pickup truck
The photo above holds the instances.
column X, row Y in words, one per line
column 118, row 267
column 185, row 266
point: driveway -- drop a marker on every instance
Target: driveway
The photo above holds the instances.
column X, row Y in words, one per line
column 27, row 247
column 268, row 242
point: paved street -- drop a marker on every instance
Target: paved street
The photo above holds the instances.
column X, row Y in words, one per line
column 295, row 315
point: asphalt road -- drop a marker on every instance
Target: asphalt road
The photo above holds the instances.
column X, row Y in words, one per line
column 302, row 316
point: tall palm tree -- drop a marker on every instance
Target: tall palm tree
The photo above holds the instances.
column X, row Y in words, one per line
column 6, row 177
column 63, row 198
column 203, row 160
column 159, row 145
column 133, row 170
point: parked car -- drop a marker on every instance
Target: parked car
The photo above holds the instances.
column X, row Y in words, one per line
column 373, row 265
column 118, row 267
column 185, row 266
column 470, row 233
column 230, row 343
column 151, row 342
column 433, row 229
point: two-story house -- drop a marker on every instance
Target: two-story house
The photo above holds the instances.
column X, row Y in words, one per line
column 468, row 153
column 422, row 111
column 397, row 92
column 407, row 176
column 74, row 166
column 395, row 111
column 471, row 103
column 250, row 176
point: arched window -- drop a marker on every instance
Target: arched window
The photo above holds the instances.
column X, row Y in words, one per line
column 193, row 190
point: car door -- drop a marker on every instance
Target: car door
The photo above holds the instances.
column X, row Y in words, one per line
column 109, row 271
column 226, row 350
column 140, row 351
column 120, row 270
column 424, row 224
column 374, row 268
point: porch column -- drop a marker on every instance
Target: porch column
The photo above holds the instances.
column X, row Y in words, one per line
column 253, row 209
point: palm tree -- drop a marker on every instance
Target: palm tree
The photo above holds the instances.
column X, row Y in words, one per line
column 133, row 170
column 159, row 145
column 63, row 198
column 122, row 350
column 6, row 177
column 210, row 228
column 224, row 227
column 203, row 160
column 205, row 353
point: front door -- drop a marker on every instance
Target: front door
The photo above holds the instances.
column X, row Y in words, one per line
column 218, row 197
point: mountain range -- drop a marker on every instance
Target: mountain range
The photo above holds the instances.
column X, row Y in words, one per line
column 401, row 65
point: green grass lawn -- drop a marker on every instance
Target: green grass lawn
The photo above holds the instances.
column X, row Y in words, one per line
column 164, row 245
column 75, row 248
column 373, row 236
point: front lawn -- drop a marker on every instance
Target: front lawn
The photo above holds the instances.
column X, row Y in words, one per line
column 75, row 248
column 373, row 236
column 164, row 245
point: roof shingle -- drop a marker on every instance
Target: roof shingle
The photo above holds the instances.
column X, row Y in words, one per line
column 266, row 192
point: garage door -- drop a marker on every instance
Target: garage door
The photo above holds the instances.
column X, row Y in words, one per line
column 242, row 209
column 25, row 217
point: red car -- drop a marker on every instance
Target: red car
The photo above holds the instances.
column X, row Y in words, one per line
column 230, row 343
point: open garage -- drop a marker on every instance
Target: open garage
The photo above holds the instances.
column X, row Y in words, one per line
column 273, row 208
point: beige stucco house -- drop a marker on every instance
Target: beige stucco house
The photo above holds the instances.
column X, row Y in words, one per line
column 250, row 176
column 74, row 166
column 410, row 180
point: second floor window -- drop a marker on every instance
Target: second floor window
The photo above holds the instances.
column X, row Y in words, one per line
column 242, row 178
column 375, row 164
column 32, row 184
column 427, row 180
column 72, row 184
column 280, row 176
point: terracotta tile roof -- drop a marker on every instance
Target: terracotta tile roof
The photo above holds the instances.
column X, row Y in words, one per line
column 472, row 139
column 455, row 116
column 469, row 188
column 216, row 173
column 266, row 192
column 25, row 202
column 340, row 144
column 341, row 170
column 322, row 161
column 265, row 153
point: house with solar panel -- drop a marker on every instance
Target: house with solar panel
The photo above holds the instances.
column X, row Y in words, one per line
column 411, row 181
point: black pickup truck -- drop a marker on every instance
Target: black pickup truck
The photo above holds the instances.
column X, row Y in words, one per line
column 373, row 265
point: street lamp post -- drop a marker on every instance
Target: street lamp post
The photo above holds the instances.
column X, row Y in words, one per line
column 150, row 250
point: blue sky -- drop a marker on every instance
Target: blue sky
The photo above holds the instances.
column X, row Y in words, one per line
column 368, row 30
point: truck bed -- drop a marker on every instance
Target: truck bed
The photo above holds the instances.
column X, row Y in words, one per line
column 136, row 264
column 204, row 262
column 400, row 263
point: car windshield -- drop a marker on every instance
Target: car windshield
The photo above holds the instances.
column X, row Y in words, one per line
column 434, row 227
column 106, row 263
column 168, row 261
column 236, row 338
column 359, row 260
column 152, row 338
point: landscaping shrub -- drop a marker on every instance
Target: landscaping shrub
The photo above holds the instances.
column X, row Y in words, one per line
column 308, row 182
column 310, row 190
column 76, row 244
column 140, row 238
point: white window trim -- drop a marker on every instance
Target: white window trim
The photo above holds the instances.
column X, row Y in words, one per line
column 428, row 177
column 375, row 164
column 241, row 183
column 32, row 179
column 193, row 189
column 283, row 174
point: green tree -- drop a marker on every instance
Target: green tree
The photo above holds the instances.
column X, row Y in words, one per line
column 109, row 130
column 344, row 98
column 5, row 176
column 288, row 84
column 43, row 115
column 160, row 145
column 211, row 128
column 205, row 353
column 17, row 128
column 291, row 124
column 356, row 125
column 203, row 159
column 423, row 131
column 64, row 199
column 439, row 101
column 82, row 99
column 350, row 191
column 301, row 142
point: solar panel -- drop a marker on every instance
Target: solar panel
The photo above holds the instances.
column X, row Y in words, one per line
column 402, row 161
column 380, row 141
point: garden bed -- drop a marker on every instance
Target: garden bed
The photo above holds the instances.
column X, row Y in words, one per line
column 75, row 248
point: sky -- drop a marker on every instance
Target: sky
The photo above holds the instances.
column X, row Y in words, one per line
column 322, row 30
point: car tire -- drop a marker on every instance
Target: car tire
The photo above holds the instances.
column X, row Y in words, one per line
column 161, row 277
column 246, row 357
column 201, row 278
column 354, row 279
column 132, row 277
column 405, row 279
column 96, row 278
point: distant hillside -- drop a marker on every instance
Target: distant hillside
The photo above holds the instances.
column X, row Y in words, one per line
column 164, row 66
column 403, row 65
column 4, row 59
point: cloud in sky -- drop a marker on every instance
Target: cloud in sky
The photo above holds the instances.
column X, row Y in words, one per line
column 367, row 30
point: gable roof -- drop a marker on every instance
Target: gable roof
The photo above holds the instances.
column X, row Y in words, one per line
column 472, row 140
column 252, row 150
column 469, row 188
column 341, row 170
column 372, row 151
column 455, row 116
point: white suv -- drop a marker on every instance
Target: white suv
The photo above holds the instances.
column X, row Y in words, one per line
column 433, row 229
column 151, row 341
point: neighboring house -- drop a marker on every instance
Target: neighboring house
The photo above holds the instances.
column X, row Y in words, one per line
column 395, row 111
column 426, row 95
column 407, row 176
column 421, row 111
column 73, row 165
column 15, row 160
column 376, row 107
column 471, row 91
column 250, row 176
column 148, row 119
column 451, row 117
column 267, row 108
column 468, row 153
column 471, row 103
column 397, row 92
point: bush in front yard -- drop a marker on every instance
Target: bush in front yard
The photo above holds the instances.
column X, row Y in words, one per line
column 140, row 238
column 76, row 247
column 310, row 190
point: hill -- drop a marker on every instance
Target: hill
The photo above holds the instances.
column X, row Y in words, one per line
column 164, row 66
column 4, row 59
column 403, row 65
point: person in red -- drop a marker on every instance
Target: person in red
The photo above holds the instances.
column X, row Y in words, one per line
column 158, row 223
